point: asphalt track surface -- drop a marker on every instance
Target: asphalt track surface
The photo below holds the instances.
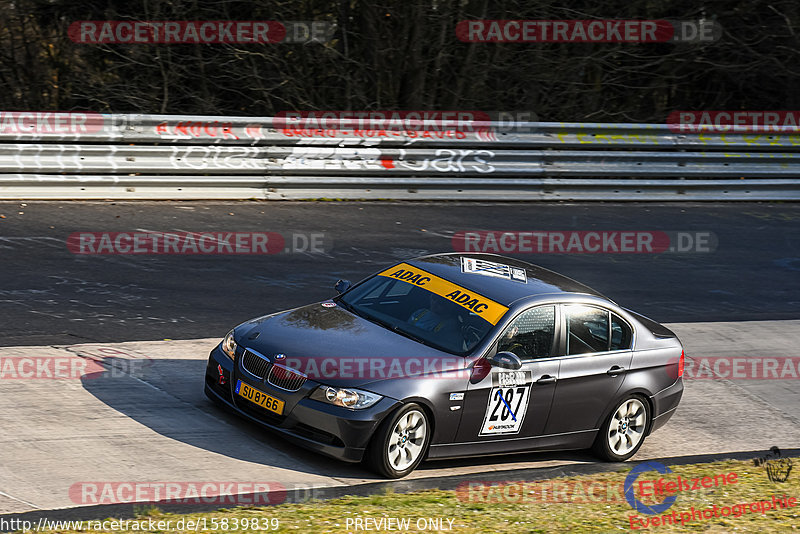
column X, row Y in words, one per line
column 151, row 422
column 50, row 295
column 145, row 421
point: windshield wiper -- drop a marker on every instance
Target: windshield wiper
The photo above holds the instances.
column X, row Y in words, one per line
column 395, row 328
column 355, row 311
column 349, row 307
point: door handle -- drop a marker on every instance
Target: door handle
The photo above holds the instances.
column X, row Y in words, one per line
column 615, row 370
column 547, row 379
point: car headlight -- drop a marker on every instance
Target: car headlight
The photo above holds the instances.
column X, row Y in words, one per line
column 229, row 345
column 355, row 399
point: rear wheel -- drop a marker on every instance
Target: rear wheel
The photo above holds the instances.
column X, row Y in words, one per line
column 400, row 443
column 624, row 430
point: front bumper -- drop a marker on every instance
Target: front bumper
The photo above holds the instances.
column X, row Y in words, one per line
column 330, row 430
column 664, row 404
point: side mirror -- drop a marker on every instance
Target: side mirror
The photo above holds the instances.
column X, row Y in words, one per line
column 342, row 286
column 506, row 360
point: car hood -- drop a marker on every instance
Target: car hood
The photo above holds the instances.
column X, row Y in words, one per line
column 336, row 347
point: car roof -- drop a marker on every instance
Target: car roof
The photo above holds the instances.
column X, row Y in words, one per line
column 504, row 290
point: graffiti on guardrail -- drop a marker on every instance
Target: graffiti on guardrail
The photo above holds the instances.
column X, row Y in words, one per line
column 140, row 156
column 440, row 160
column 220, row 157
column 424, row 124
column 196, row 129
column 384, row 134
column 690, row 129
column 447, row 160
column 215, row 130
column 701, row 137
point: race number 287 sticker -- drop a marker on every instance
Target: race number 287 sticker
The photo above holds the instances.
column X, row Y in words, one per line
column 508, row 402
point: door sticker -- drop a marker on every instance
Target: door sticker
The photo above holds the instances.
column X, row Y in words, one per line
column 508, row 403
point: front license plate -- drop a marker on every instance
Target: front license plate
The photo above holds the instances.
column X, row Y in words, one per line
column 258, row 397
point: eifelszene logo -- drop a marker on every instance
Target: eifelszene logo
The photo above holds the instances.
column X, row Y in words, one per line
column 635, row 503
column 667, row 488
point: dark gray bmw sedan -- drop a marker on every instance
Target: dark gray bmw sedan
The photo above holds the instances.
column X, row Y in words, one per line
column 452, row 355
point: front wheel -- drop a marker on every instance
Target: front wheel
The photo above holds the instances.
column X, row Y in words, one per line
column 400, row 443
column 623, row 431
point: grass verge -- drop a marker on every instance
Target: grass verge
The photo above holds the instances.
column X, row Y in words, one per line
column 589, row 503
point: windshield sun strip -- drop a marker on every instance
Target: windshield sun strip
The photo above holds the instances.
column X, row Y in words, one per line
column 484, row 307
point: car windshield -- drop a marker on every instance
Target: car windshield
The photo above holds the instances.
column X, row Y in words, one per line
column 417, row 313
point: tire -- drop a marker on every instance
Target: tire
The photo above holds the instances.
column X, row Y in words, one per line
column 392, row 456
column 624, row 430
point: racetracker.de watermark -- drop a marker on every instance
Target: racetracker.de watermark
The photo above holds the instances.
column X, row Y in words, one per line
column 85, row 362
column 637, row 491
column 584, row 242
column 201, row 523
column 178, row 492
column 546, row 491
column 463, row 121
column 199, row 32
column 587, row 31
column 49, row 368
column 51, row 123
column 734, row 121
column 197, row 243
column 374, row 367
column 738, row 368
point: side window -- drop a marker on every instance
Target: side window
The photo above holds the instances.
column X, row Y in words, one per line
column 587, row 329
column 621, row 335
column 530, row 335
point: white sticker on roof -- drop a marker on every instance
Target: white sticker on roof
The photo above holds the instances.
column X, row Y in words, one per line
column 490, row 268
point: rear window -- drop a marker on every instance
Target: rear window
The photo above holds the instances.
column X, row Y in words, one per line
column 657, row 329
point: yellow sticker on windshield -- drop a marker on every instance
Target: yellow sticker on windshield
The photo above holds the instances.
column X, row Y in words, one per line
column 488, row 309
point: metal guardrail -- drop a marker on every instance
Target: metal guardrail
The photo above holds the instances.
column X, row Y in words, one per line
column 183, row 157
